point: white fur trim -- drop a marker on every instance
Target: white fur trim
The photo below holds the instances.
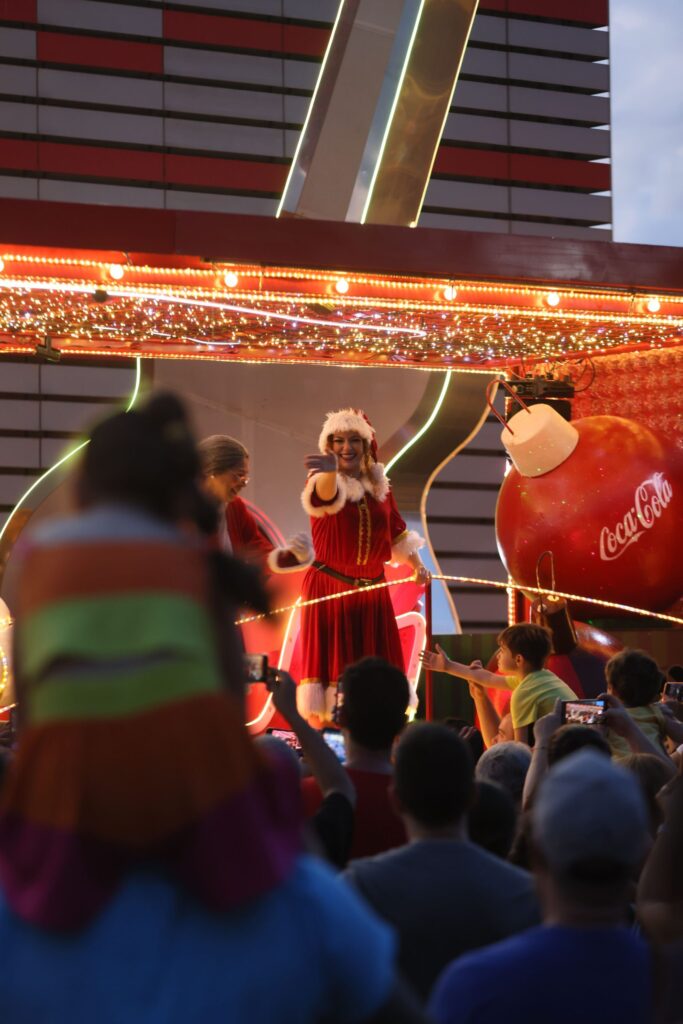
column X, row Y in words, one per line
column 274, row 565
column 406, row 545
column 341, row 421
column 316, row 699
column 318, row 511
column 349, row 488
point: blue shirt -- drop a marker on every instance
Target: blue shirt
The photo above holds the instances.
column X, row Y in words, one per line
column 563, row 975
column 306, row 950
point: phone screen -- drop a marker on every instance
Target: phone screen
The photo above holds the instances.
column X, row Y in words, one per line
column 335, row 740
column 287, row 737
column 674, row 691
column 583, row 712
column 256, row 667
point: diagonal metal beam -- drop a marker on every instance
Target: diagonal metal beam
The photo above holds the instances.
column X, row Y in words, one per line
column 376, row 118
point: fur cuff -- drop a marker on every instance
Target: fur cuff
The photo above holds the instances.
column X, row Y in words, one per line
column 315, row 699
column 330, row 509
column 405, row 545
column 281, row 560
column 349, row 488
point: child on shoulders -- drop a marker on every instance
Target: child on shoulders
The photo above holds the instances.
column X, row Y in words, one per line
column 634, row 677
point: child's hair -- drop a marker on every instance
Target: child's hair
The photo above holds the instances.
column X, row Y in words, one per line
column 634, row 677
column 533, row 642
column 147, row 458
column 569, row 738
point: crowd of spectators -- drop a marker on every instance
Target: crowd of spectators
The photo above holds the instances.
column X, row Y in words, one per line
column 159, row 865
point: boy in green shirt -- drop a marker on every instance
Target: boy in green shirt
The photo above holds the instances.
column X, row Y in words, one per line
column 522, row 653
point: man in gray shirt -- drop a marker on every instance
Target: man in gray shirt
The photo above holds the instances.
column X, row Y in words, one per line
column 444, row 895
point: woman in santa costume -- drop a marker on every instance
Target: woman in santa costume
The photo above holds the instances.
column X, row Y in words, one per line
column 356, row 528
column 225, row 469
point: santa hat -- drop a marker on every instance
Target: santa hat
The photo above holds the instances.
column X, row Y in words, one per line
column 346, row 420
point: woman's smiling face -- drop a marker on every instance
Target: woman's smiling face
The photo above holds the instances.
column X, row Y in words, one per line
column 349, row 448
column 227, row 485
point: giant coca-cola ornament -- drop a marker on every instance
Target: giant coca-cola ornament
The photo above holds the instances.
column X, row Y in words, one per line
column 605, row 495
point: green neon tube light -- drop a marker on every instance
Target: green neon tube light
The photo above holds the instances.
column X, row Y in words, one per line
column 74, row 451
column 425, row 426
column 392, row 111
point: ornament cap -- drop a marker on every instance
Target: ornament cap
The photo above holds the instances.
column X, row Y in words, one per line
column 542, row 440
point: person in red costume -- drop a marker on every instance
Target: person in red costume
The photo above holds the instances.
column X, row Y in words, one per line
column 225, row 469
column 356, row 528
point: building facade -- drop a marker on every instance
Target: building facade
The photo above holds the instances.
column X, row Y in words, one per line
column 198, row 106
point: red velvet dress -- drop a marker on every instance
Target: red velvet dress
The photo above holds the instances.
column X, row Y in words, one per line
column 354, row 538
column 249, row 542
column 246, row 537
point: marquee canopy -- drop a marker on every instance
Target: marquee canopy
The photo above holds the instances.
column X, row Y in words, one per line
column 121, row 282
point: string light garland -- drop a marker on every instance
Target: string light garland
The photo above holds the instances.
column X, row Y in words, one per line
column 662, row 616
column 276, row 314
column 4, row 669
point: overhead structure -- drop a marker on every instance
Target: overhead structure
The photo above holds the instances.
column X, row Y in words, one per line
column 375, row 122
column 252, row 290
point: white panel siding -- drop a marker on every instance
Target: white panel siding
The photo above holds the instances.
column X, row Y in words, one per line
column 104, row 126
column 113, row 90
column 126, row 19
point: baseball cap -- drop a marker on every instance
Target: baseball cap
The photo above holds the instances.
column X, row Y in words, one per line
column 589, row 809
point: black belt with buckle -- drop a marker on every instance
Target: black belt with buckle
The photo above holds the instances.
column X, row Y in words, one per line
column 351, row 581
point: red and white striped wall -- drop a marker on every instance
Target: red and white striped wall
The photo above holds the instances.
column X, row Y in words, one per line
column 198, row 105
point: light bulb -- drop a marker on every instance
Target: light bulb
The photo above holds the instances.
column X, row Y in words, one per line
column 116, row 271
column 553, row 299
column 450, row 293
column 342, row 286
column 231, row 279
column 653, row 305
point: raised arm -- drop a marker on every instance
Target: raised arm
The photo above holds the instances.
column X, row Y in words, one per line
column 660, row 888
column 543, row 729
column 489, row 719
column 438, row 661
column 325, row 469
column 672, row 726
column 325, row 766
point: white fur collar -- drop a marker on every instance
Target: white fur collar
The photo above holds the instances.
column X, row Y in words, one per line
column 348, row 489
column 375, row 483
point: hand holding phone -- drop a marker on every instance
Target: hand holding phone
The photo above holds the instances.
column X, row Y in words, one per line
column 288, row 737
column 283, row 689
column 673, row 691
column 335, row 741
column 256, row 668
column 583, row 712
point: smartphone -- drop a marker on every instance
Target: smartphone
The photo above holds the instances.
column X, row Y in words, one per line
column 256, row 668
column 335, row 741
column 583, row 712
column 674, row 691
column 288, row 737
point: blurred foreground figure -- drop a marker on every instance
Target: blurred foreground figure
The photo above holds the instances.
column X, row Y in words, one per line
column 150, row 863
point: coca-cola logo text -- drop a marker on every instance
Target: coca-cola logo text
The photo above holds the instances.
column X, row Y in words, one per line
column 650, row 500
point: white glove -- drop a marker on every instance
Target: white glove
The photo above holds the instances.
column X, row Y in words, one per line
column 301, row 547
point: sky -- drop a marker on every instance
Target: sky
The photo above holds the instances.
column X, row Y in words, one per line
column 646, row 56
